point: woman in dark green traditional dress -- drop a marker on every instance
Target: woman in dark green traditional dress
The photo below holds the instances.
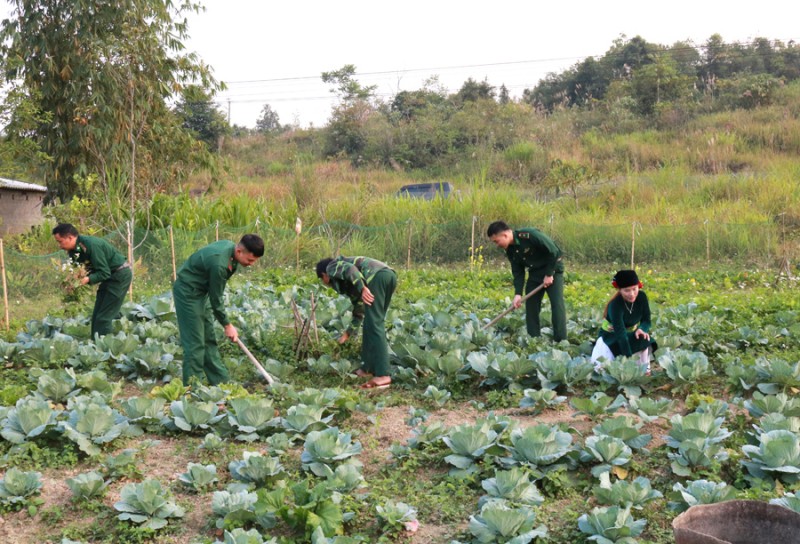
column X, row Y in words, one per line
column 626, row 324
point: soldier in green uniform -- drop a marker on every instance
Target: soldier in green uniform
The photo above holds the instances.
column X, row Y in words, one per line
column 198, row 301
column 105, row 266
column 367, row 282
column 530, row 249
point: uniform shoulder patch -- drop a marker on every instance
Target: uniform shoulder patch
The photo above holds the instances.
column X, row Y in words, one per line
column 522, row 235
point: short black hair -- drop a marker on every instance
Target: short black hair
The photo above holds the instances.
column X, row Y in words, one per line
column 253, row 243
column 322, row 266
column 496, row 228
column 65, row 229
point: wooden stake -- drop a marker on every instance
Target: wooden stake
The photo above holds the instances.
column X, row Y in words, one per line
column 216, row 231
column 708, row 242
column 408, row 259
column 633, row 243
column 472, row 245
column 5, row 286
column 130, row 256
column 172, row 249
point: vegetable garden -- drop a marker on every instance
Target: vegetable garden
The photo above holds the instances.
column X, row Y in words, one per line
column 484, row 436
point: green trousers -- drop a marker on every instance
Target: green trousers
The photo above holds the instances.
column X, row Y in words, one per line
column 375, row 346
column 199, row 340
column 110, row 297
column 533, row 307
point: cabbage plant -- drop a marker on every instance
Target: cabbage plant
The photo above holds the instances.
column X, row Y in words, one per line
column 627, row 374
column 557, row 368
column 87, row 485
column 302, row 419
column 684, row 367
column 611, row 525
column 144, row 412
column 193, row 416
column 697, row 439
column 256, row 468
column 228, row 506
column 250, row 416
column 609, row 450
column 147, row 504
column 395, row 517
column 501, row 523
column 650, row 409
column 513, row 486
column 789, row 500
column 469, row 444
column 776, row 375
column 781, row 403
column 31, row 417
column 597, row 405
column 240, row 536
column 427, row 435
column 438, row 396
column 324, row 450
column 57, row 385
column 97, row 381
column 16, row 487
column 634, row 494
column 542, row 448
column 776, row 457
column 699, row 492
column 199, row 477
column 91, row 425
column 212, row 442
column 501, row 367
column 626, row 428
column 539, row 399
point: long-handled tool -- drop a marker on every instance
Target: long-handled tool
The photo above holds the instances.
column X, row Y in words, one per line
column 253, row 360
column 511, row 308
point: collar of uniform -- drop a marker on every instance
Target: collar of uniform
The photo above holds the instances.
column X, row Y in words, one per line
column 233, row 264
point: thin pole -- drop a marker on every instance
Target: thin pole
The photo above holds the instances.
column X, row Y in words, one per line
column 472, row 245
column 408, row 258
column 511, row 308
column 216, row 231
column 708, row 242
column 172, row 249
column 5, row 287
column 130, row 257
column 255, row 362
column 633, row 243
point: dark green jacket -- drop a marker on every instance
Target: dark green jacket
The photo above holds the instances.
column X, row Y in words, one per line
column 348, row 277
column 99, row 257
column 535, row 251
column 623, row 318
column 206, row 272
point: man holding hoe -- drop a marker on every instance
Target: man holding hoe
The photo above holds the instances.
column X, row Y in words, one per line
column 532, row 250
column 198, row 302
column 369, row 284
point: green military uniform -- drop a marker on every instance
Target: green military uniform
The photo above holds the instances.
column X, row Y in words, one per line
column 348, row 276
column 535, row 252
column 198, row 301
column 109, row 268
column 618, row 330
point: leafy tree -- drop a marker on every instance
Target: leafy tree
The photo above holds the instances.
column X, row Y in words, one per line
column 658, row 82
column 503, row 97
column 269, row 122
column 346, row 86
column 103, row 73
column 345, row 132
column 201, row 116
column 472, row 91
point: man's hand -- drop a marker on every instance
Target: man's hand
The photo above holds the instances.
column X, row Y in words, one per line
column 344, row 337
column 547, row 281
column 231, row 332
column 367, row 296
column 517, row 302
column 85, row 280
column 641, row 334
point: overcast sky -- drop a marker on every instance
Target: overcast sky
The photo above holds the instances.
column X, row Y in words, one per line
column 273, row 52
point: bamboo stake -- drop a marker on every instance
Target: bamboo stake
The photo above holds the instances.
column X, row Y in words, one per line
column 511, row 308
column 130, row 256
column 633, row 243
column 172, row 249
column 708, row 242
column 5, row 286
column 255, row 362
column 472, row 245
column 216, row 231
column 408, row 259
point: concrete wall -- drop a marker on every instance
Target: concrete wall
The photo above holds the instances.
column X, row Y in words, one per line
column 19, row 210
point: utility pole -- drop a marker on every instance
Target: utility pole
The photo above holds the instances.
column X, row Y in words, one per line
column 229, row 111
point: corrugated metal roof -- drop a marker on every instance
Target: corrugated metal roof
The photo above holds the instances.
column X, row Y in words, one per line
column 21, row 185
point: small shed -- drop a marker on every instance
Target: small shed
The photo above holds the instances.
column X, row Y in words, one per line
column 20, row 205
